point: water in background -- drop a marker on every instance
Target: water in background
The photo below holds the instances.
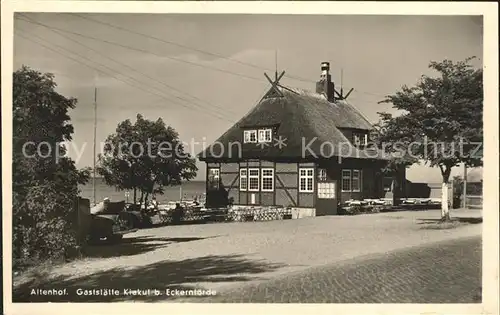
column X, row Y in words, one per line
column 189, row 191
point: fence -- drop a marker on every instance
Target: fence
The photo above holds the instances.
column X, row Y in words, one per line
column 259, row 214
column 474, row 202
column 473, row 194
column 245, row 214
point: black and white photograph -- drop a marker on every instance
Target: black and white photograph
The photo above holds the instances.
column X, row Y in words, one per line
column 248, row 158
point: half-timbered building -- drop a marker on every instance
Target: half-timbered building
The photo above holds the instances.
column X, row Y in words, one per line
column 300, row 149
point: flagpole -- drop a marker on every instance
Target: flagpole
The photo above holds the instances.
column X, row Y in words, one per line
column 95, row 134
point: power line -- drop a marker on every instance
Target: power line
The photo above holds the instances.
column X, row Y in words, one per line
column 372, row 94
column 366, row 96
column 124, row 65
column 169, row 42
column 68, row 76
column 189, row 102
column 156, row 54
column 177, row 59
column 137, row 86
column 106, row 73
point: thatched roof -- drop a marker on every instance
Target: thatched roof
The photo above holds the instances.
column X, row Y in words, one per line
column 299, row 117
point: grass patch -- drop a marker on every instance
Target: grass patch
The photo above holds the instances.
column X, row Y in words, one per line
column 438, row 224
column 33, row 273
column 446, row 225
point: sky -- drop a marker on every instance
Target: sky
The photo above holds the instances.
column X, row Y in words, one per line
column 201, row 73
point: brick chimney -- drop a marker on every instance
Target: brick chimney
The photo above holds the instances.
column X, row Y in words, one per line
column 325, row 85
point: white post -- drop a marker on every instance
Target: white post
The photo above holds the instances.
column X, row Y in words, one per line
column 445, row 211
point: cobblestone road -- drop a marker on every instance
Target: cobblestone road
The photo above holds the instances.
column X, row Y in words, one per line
column 446, row 272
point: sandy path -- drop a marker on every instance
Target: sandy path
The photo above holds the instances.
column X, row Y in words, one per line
column 284, row 246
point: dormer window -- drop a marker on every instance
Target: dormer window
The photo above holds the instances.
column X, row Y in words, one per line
column 260, row 135
column 360, row 139
column 250, row 136
column 265, row 135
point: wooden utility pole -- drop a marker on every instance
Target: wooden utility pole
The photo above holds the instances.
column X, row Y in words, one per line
column 464, row 199
column 94, row 151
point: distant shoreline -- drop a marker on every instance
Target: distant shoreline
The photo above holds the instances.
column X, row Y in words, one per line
column 187, row 181
column 189, row 190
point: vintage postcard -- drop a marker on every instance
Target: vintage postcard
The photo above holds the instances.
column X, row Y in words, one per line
column 250, row 157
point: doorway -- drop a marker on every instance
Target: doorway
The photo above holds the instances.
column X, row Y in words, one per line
column 326, row 200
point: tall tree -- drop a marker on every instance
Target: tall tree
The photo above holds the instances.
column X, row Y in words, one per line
column 441, row 122
column 145, row 157
column 45, row 181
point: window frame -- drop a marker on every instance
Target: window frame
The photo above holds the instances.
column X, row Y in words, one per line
column 264, row 133
column 249, row 133
column 262, row 177
column 253, row 176
column 359, row 172
column 306, row 176
column 351, row 180
column 244, row 179
column 209, row 171
column 361, row 137
column 324, row 193
column 348, row 177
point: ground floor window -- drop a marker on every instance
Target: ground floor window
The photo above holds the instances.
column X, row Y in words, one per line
column 346, row 180
column 243, row 179
column 351, row 180
column 326, row 190
column 306, row 179
column 253, row 179
column 356, row 180
column 267, row 179
column 213, row 178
